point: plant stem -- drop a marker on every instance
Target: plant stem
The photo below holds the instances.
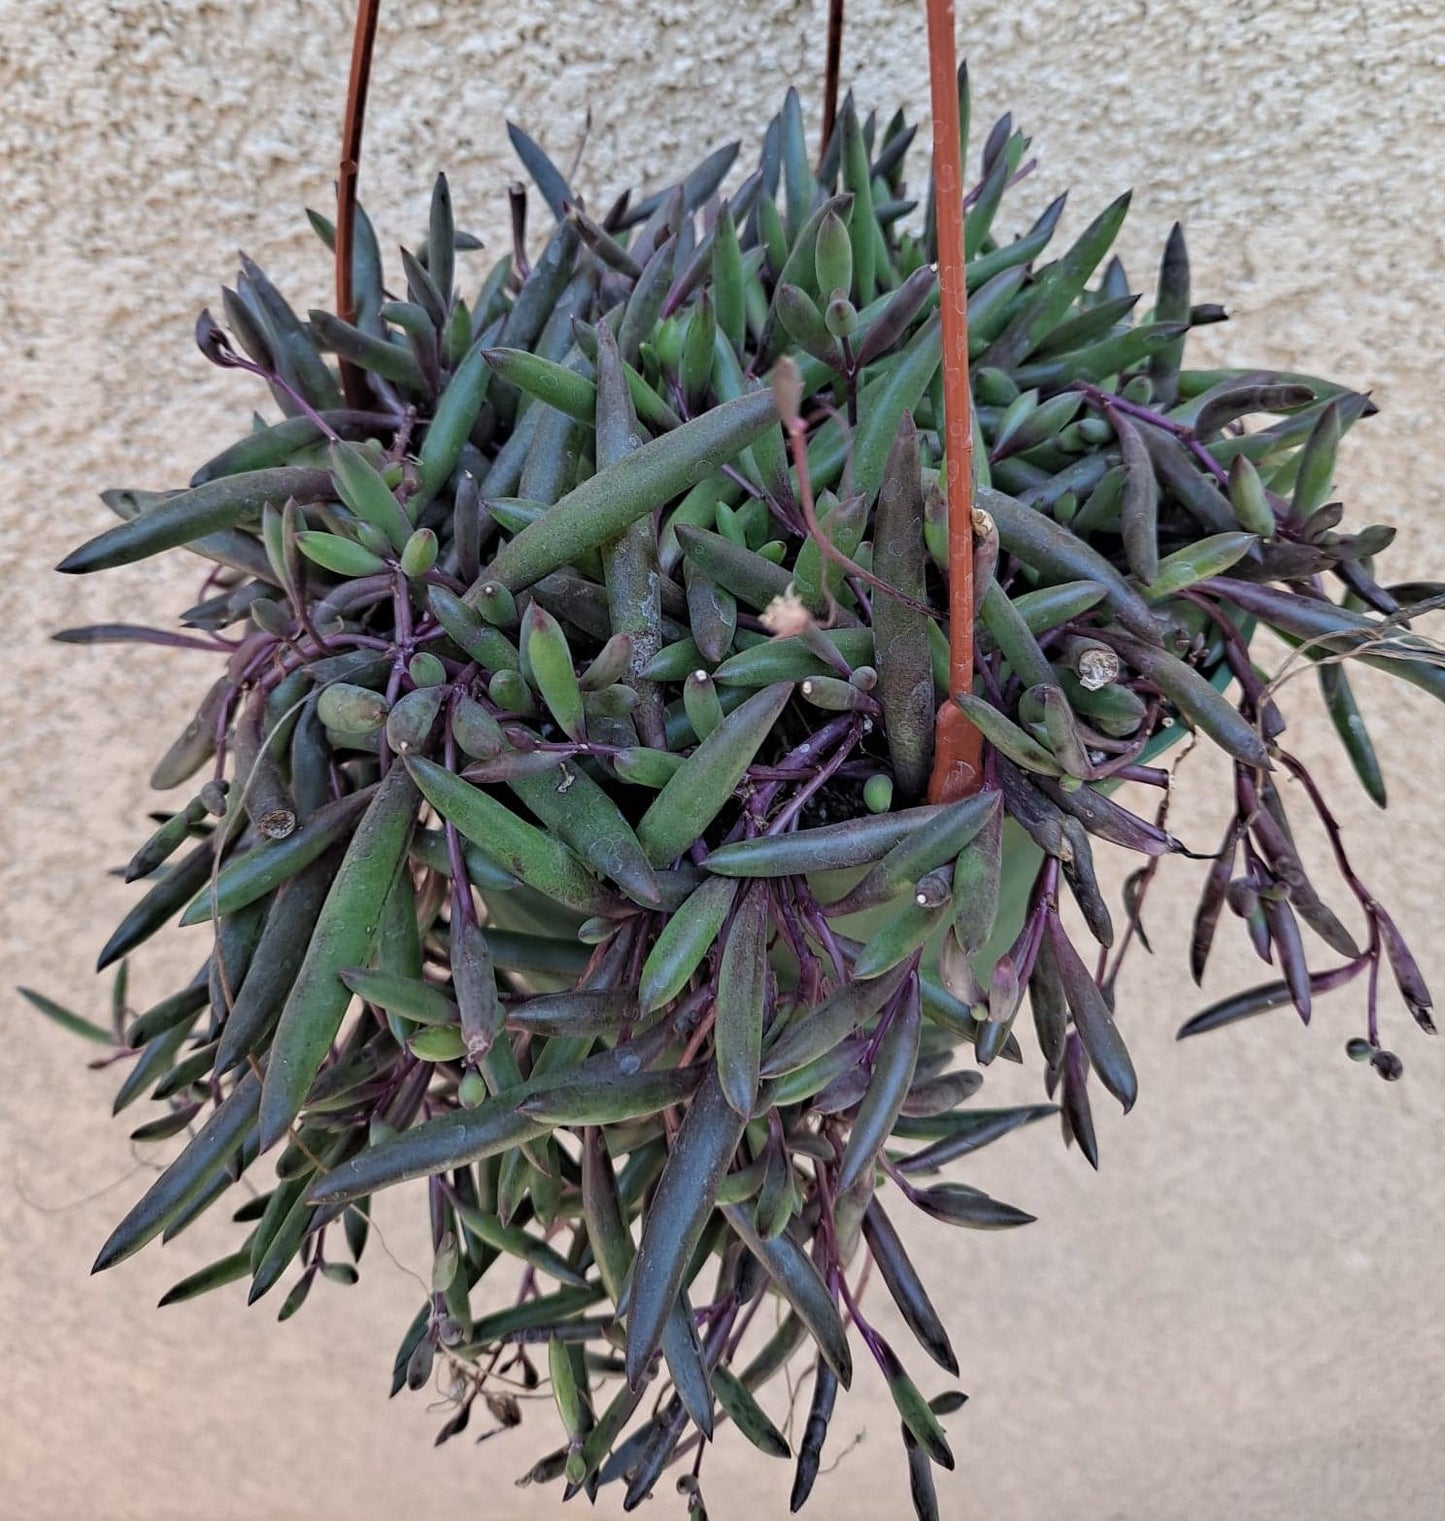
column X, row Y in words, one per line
column 832, row 69
column 957, row 759
column 363, row 42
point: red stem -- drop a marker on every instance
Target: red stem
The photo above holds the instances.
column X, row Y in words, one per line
column 363, row 42
column 832, row 69
column 958, row 747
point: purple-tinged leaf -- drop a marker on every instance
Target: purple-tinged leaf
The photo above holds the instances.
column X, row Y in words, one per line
column 1093, row 1019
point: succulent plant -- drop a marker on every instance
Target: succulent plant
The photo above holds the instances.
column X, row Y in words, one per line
column 565, row 839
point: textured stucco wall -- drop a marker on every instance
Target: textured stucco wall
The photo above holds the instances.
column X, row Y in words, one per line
column 1237, row 1318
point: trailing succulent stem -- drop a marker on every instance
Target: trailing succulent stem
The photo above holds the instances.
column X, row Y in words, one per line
column 560, row 827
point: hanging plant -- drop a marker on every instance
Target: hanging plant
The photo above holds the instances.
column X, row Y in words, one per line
column 580, row 840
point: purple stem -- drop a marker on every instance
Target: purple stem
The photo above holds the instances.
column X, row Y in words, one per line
column 809, row 788
column 822, row 930
column 235, row 362
column 1104, row 401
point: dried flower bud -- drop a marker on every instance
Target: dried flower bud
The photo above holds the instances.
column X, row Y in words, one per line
column 787, row 615
column 787, row 391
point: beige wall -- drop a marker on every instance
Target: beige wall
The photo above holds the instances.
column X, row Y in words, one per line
column 1239, row 1317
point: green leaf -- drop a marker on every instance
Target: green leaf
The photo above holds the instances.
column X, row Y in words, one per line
column 452, row 1140
column 537, row 859
column 747, row 1415
column 814, row 1032
column 686, row 1193
column 888, row 1084
column 360, row 486
column 585, row 816
column 85, row 1028
column 700, row 788
column 516, row 1242
column 605, row 504
column 344, row 935
column 547, row 177
column 957, row 1204
column 193, row 514
column 1350, row 726
column 160, row 903
column 552, row 384
column 188, row 1176
column 914, row 1410
column 899, row 1274
column 683, row 1353
column 741, row 1002
column 245, row 878
column 214, row 1275
column 802, row 1286
column 341, row 556
column 612, row 1100
column 957, row 1135
column 685, row 939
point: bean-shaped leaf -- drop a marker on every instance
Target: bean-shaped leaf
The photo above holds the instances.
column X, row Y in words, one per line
column 454, row 418
column 345, row 932
column 277, row 960
column 683, row 1353
column 739, row 570
column 604, row 505
column 905, row 676
column 413, row 999
column 1049, row 547
column 1093, row 1019
column 602, row 1209
column 977, row 875
column 747, row 1415
column 904, row 932
column 1140, row 507
column 812, row 1033
column 898, row 1272
column 533, row 857
column 1196, row 699
column 612, row 1100
column 585, row 817
column 686, row 1193
column 969, row 1131
column 188, row 1176
column 914, row 1410
column 936, row 842
column 74, row 1023
column 547, row 177
column 888, row 1085
column 958, row 1204
column 801, row 1284
column 1211, row 904
column 700, row 788
column 360, row 485
column 685, row 939
column 516, row 1242
column 213, row 1276
column 741, row 1003
column 452, row 1140
column 882, row 407
column 193, row 514
column 792, row 659
column 590, row 1011
column 245, row 878
column 815, row 1432
column 167, row 894
column 1350, row 726
column 1197, row 562
column 828, row 847
column 1006, row 736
